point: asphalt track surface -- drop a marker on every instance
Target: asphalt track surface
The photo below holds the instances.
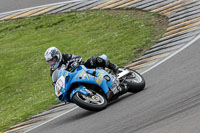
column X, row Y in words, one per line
column 10, row 5
column 170, row 103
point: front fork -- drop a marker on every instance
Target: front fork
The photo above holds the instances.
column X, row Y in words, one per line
column 80, row 89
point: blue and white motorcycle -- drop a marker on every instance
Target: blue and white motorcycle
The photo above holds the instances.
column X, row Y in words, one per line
column 92, row 89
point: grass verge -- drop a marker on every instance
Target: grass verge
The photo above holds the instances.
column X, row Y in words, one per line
column 25, row 87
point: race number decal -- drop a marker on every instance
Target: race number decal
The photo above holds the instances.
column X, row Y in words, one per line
column 59, row 85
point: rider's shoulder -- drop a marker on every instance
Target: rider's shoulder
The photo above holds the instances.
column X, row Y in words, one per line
column 67, row 54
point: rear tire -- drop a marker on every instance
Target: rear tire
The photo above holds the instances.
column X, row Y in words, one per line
column 96, row 102
column 135, row 84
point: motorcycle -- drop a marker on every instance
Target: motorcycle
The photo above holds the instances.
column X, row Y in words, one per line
column 92, row 89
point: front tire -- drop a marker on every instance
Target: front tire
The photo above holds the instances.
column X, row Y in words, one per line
column 95, row 102
column 135, row 82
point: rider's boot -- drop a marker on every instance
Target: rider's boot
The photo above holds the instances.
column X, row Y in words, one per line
column 109, row 95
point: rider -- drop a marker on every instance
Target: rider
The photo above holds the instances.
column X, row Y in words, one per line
column 55, row 60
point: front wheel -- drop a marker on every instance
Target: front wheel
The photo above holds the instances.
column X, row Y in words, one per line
column 92, row 102
column 135, row 82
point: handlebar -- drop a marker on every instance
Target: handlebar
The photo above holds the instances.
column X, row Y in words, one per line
column 69, row 63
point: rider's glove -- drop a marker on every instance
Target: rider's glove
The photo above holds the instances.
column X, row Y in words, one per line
column 74, row 65
column 78, row 60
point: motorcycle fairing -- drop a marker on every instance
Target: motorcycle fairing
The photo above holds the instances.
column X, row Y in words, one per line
column 80, row 89
column 80, row 75
column 103, row 56
column 83, row 77
column 61, row 78
column 59, row 86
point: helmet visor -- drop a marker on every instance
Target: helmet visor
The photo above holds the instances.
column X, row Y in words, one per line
column 52, row 62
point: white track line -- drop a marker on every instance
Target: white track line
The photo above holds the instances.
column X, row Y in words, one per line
column 51, row 119
column 39, row 6
column 178, row 51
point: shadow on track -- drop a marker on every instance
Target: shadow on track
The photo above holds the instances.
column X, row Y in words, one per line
column 73, row 117
column 81, row 114
column 125, row 96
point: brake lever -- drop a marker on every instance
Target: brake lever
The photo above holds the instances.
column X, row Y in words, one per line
column 67, row 64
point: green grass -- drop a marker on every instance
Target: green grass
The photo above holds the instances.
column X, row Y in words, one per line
column 25, row 82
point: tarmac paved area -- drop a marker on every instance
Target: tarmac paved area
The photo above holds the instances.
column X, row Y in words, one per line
column 170, row 103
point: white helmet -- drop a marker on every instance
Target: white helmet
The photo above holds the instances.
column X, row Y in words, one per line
column 53, row 57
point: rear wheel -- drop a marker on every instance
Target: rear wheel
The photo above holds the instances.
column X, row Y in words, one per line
column 135, row 82
column 92, row 102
